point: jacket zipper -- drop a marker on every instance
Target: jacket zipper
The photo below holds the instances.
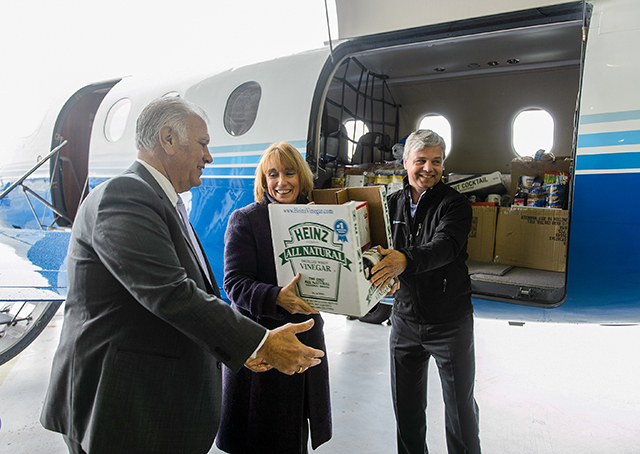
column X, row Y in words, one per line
column 413, row 238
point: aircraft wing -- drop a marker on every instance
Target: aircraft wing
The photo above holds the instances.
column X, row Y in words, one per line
column 33, row 284
column 33, row 265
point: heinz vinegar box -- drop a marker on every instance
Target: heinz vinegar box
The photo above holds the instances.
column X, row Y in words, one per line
column 324, row 242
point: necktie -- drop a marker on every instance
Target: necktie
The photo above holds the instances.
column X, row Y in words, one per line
column 192, row 238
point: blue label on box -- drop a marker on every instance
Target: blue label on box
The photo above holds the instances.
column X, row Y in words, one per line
column 342, row 229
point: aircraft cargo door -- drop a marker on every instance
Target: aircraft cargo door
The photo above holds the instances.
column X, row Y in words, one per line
column 69, row 170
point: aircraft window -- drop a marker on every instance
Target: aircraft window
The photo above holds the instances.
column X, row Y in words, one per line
column 117, row 120
column 355, row 130
column 242, row 108
column 439, row 125
column 532, row 131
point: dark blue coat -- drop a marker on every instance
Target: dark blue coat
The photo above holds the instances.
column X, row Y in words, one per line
column 265, row 412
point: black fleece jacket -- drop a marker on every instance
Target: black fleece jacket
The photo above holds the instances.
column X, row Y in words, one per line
column 435, row 287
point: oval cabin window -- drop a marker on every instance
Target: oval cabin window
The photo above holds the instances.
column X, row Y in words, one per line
column 117, row 119
column 355, row 130
column 242, row 108
column 441, row 126
column 532, row 131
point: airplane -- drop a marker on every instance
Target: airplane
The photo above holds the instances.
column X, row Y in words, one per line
column 347, row 107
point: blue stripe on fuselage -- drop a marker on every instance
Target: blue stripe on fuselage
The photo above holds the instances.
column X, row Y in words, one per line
column 609, row 161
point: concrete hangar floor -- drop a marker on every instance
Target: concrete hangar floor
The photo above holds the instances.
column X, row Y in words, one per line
column 541, row 389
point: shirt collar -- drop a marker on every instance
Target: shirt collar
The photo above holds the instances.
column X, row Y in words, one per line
column 414, row 206
column 163, row 181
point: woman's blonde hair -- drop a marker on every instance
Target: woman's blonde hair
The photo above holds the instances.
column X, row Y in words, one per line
column 287, row 156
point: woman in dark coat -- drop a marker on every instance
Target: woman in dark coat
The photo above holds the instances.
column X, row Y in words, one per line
column 271, row 412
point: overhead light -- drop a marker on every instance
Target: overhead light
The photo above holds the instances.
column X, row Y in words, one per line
column 474, row 65
column 493, row 63
column 513, row 61
column 439, row 69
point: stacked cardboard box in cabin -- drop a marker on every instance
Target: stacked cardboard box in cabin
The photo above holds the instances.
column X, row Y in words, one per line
column 532, row 238
column 482, row 237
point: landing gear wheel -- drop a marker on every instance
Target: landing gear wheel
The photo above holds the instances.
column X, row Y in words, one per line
column 20, row 324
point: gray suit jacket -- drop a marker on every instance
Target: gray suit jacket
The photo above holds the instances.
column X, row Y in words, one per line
column 137, row 369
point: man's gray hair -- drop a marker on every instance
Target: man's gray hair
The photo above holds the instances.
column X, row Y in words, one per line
column 420, row 139
column 166, row 111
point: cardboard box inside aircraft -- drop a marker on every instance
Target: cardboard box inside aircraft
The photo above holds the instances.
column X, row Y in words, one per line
column 481, row 185
column 532, row 238
column 481, row 241
column 353, row 181
column 535, row 168
column 321, row 241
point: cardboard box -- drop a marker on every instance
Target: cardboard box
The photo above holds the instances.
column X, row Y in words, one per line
column 532, row 238
column 481, row 241
column 481, row 185
column 354, row 181
column 321, row 241
column 536, row 168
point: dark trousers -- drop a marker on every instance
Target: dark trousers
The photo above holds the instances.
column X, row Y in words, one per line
column 452, row 347
column 74, row 446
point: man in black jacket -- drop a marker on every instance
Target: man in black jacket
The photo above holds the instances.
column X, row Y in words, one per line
column 432, row 311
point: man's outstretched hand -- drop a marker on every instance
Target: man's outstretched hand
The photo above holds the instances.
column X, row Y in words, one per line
column 285, row 352
column 257, row 365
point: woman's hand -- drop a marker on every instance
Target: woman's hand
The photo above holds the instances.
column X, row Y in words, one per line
column 289, row 300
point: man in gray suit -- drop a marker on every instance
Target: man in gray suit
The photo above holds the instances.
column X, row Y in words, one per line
column 138, row 366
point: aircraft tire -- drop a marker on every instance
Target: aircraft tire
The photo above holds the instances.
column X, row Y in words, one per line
column 11, row 347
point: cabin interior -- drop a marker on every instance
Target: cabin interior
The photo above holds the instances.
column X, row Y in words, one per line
column 479, row 82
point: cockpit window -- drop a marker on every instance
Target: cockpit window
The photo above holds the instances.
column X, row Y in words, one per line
column 242, row 108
